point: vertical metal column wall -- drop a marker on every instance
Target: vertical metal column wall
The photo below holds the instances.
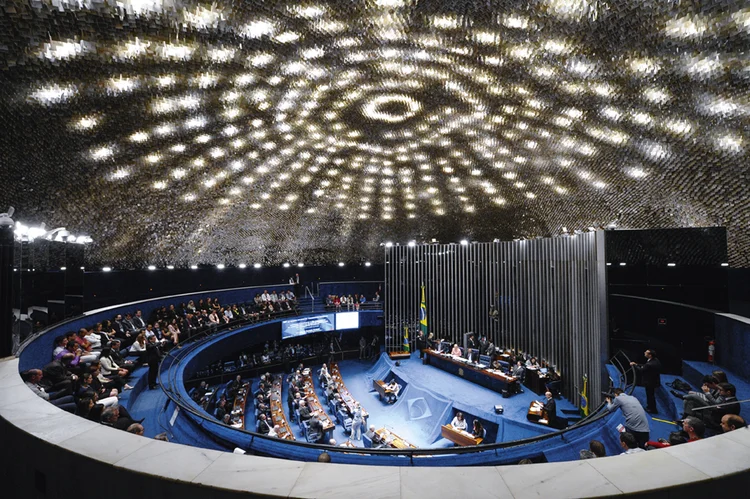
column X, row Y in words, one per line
column 547, row 293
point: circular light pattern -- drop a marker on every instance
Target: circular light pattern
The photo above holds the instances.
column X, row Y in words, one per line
column 311, row 132
column 391, row 108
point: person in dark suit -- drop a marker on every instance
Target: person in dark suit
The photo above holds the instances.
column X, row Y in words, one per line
column 304, row 412
column 153, row 356
column 650, row 377
column 551, row 408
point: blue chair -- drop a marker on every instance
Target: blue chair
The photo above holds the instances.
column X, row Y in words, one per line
column 367, row 441
column 305, row 427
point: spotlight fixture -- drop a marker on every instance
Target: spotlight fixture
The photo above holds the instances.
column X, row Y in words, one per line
column 412, row 244
column 242, row 265
column 622, row 264
column 286, row 265
column 63, row 268
column 300, row 264
column 170, row 267
column 671, row 265
column 388, row 244
column 341, row 264
column 106, row 269
column 220, row 266
column 194, row 267
column 256, row 265
column 152, row 267
column 725, row 265
column 367, row 264
column 464, row 242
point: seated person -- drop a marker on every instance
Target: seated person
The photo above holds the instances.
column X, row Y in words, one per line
column 370, row 433
column 532, row 363
column 727, row 395
column 263, row 426
column 731, row 422
column 456, row 351
column 477, row 429
column 692, row 429
column 316, row 427
column 394, row 388
column 519, row 371
column 459, row 423
column 304, row 411
column 629, row 444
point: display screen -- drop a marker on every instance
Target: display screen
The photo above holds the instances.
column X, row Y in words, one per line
column 347, row 320
column 307, row 325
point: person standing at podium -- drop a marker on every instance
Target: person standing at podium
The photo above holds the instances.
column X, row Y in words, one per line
column 550, row 407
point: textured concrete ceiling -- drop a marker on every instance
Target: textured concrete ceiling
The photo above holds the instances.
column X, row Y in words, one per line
column 273, row 131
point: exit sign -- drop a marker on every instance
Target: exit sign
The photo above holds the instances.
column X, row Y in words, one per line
column 662, row 321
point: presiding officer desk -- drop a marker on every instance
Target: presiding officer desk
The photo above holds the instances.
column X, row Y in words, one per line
column 489, row 378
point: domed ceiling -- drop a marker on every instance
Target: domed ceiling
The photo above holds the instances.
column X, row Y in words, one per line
column 273, row 131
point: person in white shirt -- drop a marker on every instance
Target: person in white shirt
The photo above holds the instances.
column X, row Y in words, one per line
column 459, row 423
column 94, row 339
column 274, row 432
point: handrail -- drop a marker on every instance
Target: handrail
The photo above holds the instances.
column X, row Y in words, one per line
column 191, row 407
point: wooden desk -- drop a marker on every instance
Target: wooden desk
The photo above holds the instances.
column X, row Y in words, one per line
column 536, row 413
column 346, row 397
column 461, row 438
column 277, row 410
column 379, row 386
column 316, row 408
column 535, row 381
column 237, row 418
column 390, row 439
column 399, row 355
column 489, row 378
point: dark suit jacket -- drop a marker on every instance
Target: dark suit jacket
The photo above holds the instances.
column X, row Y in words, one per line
column 650, row 372
column 551, row 408
column 304, row 413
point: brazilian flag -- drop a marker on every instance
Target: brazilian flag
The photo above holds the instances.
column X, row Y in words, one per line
column 584, row 397
column 423, row 314
column 406, row 339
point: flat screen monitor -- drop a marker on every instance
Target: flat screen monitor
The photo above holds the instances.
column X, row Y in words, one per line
column 307, row 325
column 347, row 320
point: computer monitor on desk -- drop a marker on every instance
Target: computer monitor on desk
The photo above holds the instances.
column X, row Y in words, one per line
column 543, row 370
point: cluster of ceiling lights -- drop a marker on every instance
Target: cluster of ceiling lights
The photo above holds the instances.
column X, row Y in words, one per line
column 395, row 110
column 27, row 233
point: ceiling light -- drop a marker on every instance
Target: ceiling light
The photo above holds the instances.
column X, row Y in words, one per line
column 194, row 267
column 170, row 267
column 220, row 266
column 367, row 264
column 104, row 269
column 152, row 267
column 300, row 264
column 286, row 265
column 464, row 242
column 671, row 265
column 341, row 264
column 256, row 265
